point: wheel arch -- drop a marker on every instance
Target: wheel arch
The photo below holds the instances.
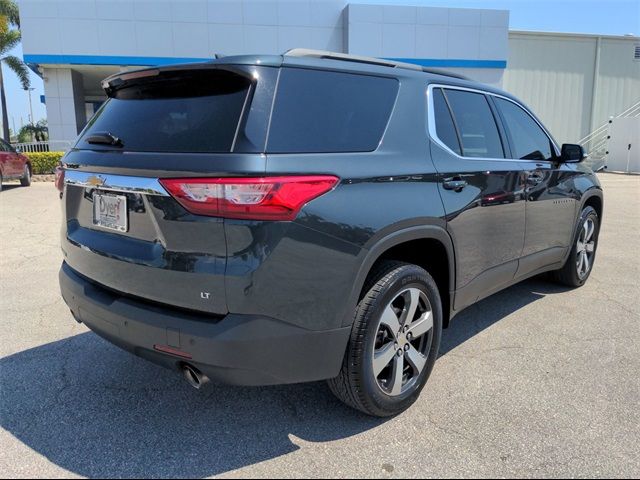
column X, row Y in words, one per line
column 427, row 246
column 593, row 198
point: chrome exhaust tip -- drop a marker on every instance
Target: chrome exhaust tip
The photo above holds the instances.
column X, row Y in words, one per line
column 193, row 376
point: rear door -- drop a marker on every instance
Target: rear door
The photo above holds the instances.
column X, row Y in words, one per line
column 482, row 190
column 17, row 161
column 122, row 229
column 552, row 198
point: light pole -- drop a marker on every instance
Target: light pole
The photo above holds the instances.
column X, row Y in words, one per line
column 30, row 110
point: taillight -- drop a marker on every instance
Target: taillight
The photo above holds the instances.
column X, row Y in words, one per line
column 263, row 198
column 59, row 179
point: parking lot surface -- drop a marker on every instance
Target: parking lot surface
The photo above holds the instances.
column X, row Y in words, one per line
column 536, row 381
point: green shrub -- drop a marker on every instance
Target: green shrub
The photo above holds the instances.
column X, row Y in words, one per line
column 44, row 162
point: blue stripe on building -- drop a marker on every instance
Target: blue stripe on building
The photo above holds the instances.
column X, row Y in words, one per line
column 158, row 61
column 108, row 60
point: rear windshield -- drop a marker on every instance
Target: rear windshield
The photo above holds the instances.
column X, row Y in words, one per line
column 187, row 112
column 320, row 111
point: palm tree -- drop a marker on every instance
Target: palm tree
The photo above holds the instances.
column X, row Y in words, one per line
column 10, row 13
column 9, row 38
column 34, row 131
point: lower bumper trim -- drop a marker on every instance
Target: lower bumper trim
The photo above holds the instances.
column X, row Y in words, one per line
column 238, row 350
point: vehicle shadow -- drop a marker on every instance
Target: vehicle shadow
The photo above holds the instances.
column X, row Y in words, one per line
column 99, row 412
column 6, row 187
column 485, row 313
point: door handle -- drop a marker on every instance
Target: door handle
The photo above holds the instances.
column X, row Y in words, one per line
column 455, row 183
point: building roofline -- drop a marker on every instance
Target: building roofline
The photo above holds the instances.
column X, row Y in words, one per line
column 575, row 35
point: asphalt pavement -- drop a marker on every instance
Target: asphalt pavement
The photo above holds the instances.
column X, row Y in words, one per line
column 535, row 381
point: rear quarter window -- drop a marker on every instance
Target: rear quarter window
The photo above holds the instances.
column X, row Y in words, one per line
column 321, row 112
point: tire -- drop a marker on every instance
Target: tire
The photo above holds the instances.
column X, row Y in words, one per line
column 25, row 181
column 573, row 273
column 1, row 182
column 392, row 289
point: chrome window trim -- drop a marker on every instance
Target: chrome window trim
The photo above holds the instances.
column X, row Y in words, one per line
column 431, row 122
column 115, row 183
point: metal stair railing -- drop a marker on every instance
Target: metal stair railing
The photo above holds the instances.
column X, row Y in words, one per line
column 596, row 143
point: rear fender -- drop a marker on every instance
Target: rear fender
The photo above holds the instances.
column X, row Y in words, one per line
column 372, row 254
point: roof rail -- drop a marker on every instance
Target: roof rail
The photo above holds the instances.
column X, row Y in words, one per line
column 305, row 52
column 446, row 73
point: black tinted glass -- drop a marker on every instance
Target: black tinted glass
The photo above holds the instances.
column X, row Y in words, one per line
column 194, row 112
column 319, row 111
column 476, row 124
column 528, row 140
column 445, row 129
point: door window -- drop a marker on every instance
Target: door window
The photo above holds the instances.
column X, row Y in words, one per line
column 475, row 123
column 528, row 140
column 445, row 128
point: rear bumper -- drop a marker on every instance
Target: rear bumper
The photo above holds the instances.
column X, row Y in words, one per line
column 234, row 349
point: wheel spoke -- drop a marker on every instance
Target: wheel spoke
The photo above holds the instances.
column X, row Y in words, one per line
column 587, row 263
column 383, row 357
column 422, row 325
column 590, row 228
column 412, row 299
column 396, row 376
column 580, row 262
column 580, row 246
column 590, row 247
column 390, row 320
column 416, row 360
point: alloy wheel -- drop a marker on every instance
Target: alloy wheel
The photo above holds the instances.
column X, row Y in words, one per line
column 585, row 248
column 402, row 343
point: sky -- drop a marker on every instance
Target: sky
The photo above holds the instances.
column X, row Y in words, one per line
column 607, row 17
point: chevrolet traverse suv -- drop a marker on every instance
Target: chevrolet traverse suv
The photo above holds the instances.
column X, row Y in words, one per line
column 263, row 220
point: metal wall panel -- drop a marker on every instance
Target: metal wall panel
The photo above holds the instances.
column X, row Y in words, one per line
column 618, row 84
column 564, row 80
column 554, row 76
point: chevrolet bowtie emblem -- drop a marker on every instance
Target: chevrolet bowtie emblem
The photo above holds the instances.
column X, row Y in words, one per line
column 95, row 181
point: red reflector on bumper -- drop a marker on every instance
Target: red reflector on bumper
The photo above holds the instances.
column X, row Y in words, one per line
column 171, row 351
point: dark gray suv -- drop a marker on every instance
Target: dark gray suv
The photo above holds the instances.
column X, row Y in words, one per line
column 262, row 220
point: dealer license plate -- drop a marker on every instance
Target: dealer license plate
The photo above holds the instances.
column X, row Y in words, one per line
column 110, row 211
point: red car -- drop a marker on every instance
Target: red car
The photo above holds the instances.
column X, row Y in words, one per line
column 13, row 165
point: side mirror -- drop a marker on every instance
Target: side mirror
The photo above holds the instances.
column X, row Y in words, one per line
column 572, row 153
column 18, row 150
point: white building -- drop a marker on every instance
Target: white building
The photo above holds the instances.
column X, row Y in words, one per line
column 574, row 82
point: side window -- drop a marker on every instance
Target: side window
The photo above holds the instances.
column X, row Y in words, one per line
column 445, row 128
column 3, row 146
column 528, row 140
column 322, row 111
column 476, row 125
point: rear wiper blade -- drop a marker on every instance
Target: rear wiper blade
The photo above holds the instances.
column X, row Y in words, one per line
column 104, row 138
